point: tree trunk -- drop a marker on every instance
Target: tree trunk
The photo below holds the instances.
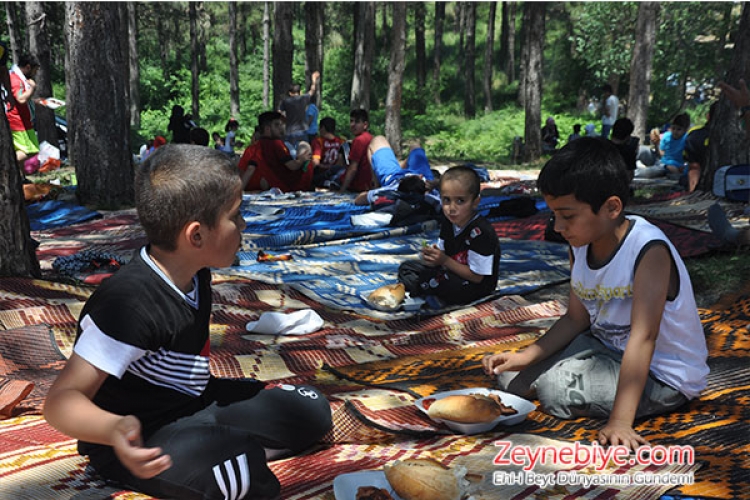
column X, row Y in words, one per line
column 420, row 49
column 641, row 66
column 314, row 36
column 524, row 60
column 38, row 32
column 510, row 55
column 17, row 254
column 363, row 53
column 489, row 47
column 163, row 35
column 195, row 84
column 395, row 78
column 534, row 29
column 461, row 30
column 470, row 95
column 135, row 70
column 439, row 21
column 385, row 34
column 242, row 25
column 14, row 30
column 266, row 54
column 728, row 143
column 100, row 142
column 234, row 72
column 283, row 49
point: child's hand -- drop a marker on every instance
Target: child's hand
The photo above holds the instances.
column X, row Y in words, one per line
column 144, row 463
column 503, row 362
column 433, row 256
column 620, row 433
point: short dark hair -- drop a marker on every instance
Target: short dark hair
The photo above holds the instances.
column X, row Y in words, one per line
column 199, row 136
column 359, row 115
column 622, row 128
column 329, row 124
column 294, row 88
column 464, row 174
column 26, row 60
column 181, row 183
column 265, row 119
column 682, row 120
column 590, row 168
column 412, row 184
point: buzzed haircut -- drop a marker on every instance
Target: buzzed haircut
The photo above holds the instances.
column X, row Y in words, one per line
column 182, row 183
column 329, row 124
column 467, row 176
column 359, row 115
column 590, row 168
column 199, row 136
column 267, row 118
column 303, row 146
column 412, row 184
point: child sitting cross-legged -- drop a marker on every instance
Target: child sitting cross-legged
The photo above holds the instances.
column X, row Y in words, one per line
column 137, row 392
column 631, row 343
column 463, row 265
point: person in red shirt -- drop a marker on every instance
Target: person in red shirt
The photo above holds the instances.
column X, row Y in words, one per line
column 267, row 163
column 325, row 152
column 22, row 85
column 358, row 174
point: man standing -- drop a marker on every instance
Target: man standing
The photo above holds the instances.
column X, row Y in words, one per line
column 294, row 108
column 22, row 87
column 609, row 110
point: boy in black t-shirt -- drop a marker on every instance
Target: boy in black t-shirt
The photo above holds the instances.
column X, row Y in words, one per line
column 137, row 392
column 463, row 265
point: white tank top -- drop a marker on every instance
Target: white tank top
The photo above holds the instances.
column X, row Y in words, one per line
column 607, row 293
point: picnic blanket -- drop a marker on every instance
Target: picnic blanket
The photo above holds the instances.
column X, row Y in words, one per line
column 57, row 213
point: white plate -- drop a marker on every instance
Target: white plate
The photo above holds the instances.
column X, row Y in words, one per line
column 52, row 103
column 522, row 406
column 345, row 486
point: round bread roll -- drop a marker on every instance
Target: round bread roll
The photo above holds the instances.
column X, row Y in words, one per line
column 466, row 408
column 388, row 296
column 425, row 479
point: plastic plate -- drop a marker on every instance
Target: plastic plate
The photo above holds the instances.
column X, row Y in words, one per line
column 345, row 486
column 522, row 406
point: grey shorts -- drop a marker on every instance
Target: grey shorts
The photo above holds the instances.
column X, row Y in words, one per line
column 581, row 381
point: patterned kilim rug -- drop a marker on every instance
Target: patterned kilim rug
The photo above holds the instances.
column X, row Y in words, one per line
column 716, row 425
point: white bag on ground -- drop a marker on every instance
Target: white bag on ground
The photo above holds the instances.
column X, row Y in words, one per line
column 47, row 151
column 299, row 322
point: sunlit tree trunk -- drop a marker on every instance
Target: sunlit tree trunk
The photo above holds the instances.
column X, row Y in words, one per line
column 135, row 71
column 470, row 24
column 14, row 30
column 420, row 52
column 194, row 54
column 38, row 32
column 641, row 66
column 533, row 20
column 283, row 49
column 314, row 35
column 728, row 143
column 100, row 150
column 364, row 35
column 438, row 47
column 234, row 72
column 489, row 47
column 266, row 54
column 395, row 78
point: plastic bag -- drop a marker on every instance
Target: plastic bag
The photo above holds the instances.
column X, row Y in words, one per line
column 47, row 151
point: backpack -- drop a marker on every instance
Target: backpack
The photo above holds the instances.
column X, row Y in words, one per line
column 733, row 182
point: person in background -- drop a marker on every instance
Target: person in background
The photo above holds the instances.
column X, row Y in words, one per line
column 610, row 107
column 22, row 88
column 358, row 173
column 311, row 117
column 229, row 141
column 590, row 130
column 218, row 141
column 672, row 146
column 325, row 153
column 199, row 136
column 137, row 392
column 550, row 136
column 696, row 150
column 631, row 343
column 576, row 132
column 179, row 125
column 293, row 108
column 625, row 143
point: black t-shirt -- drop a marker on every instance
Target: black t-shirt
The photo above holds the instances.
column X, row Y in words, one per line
column 137, row 323
column 478, row 237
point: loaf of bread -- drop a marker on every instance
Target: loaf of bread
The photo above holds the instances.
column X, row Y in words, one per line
column 388, row 296
column 425, row 479
column 469, row 408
